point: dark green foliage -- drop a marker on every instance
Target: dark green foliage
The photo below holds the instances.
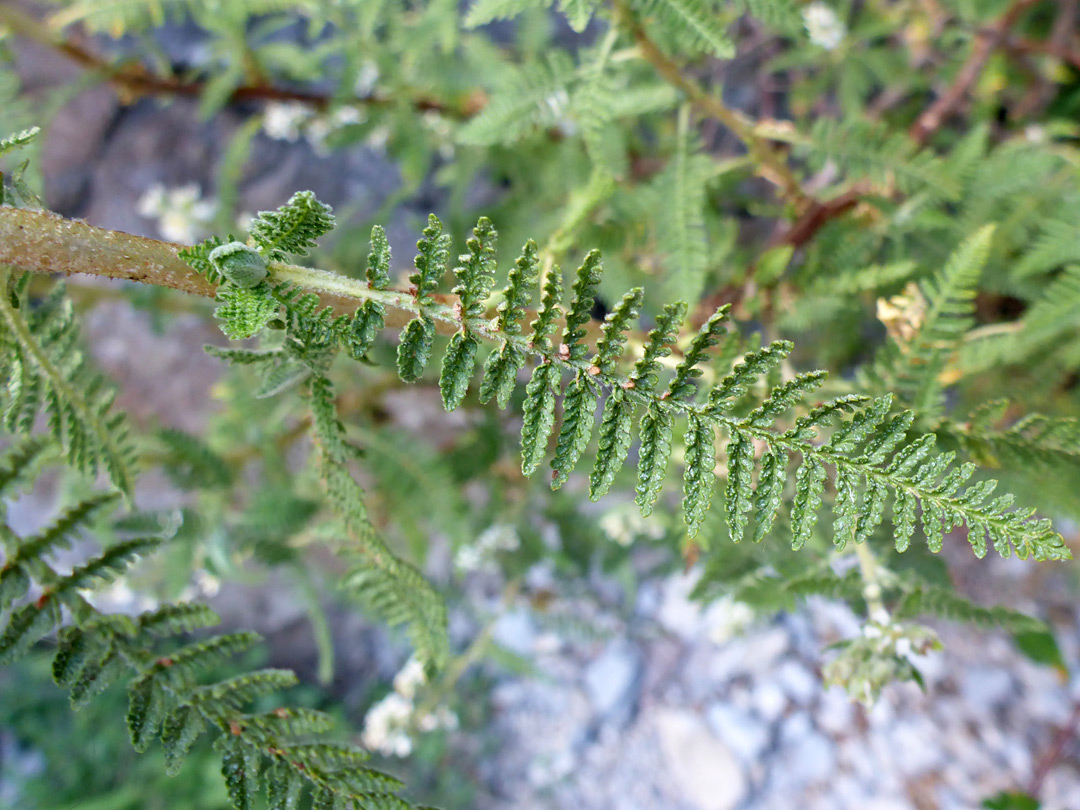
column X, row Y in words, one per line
column 615, row 438
column 699, row 473
column 740, row 453
column 579, row 416
column 414, row 351
column 645, row 375
column 539, row 416
column 613, row 340
column 586, row 283
column 476, row 274
column 682, row 385
column 434, row 247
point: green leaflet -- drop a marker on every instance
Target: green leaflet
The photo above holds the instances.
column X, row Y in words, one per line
column 378, row 266
column 178, row 734
column 740, row 453
column 770, row 488
column 614, row 443
column 368, row 320
column 699, row 474
column 244, row 312
column 292, row 228
column 240, row 767
column 539, row 416
column 809, row 486
column 500, row 373
column 613, row 338
column 579, row 415
column 657, row 427
column 146, row 708
column 414, row 351
column 476, row 275
column 550, row 310
column 682, row 384
column 518, row 290
column 753, row 366
column 644, row 377
column 846, row 508
column 458, row 364
column 283, row 790
column 586, row 283
column 434, row 250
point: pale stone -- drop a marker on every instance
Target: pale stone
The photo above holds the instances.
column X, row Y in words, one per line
column 706, row 770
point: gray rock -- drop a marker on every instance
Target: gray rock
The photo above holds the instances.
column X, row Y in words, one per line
column 516, row 631
column 769, row 700
column 986, row 687
column 835, row 711
column 798, row 682
column 743, row 733
column 706, row 770
column 612, row 680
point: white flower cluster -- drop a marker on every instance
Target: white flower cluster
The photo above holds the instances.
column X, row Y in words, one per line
column 624, row 524
column 481, row 554
column 181, row 213
column 824, row 27
column 387, row 724
column 291, row 121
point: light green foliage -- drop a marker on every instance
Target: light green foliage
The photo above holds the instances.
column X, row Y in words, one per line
column 865, row 150
column 244, row 312
column 917, row 366
column 692, row 23
column 47, row 372
column 680, row 224
column 292, row 228
column 168, row 698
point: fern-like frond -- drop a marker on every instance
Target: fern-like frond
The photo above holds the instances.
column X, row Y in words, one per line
column 680, row 220
column 481, row 12
column 526, row 98
column 874, row 464
column 1050, row 323
column 293, row 228
column 889, row 158
column 46, row 371
column 394, row 589
column 914, row 364
column 695, row 24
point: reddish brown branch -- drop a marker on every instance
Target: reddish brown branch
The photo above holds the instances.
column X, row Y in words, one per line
column 986, row 42
column 133, row 80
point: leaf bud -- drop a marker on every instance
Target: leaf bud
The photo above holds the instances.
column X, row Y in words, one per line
column 240, row 264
